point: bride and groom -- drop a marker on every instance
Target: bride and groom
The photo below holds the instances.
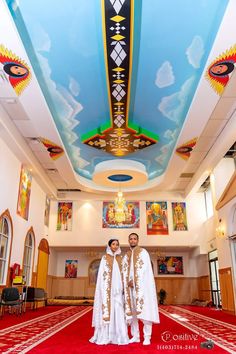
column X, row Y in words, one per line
column 125, row 293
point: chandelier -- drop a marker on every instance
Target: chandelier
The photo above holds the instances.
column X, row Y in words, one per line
column 120, row 208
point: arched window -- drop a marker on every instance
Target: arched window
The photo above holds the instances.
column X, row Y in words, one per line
column 28, row 257
column 5, row 242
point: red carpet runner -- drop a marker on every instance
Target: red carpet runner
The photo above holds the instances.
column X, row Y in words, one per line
column 22, row 337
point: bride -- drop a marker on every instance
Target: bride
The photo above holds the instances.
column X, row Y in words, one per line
column 108, row 312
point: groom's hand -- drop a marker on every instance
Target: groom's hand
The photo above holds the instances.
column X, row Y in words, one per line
column 131, row 284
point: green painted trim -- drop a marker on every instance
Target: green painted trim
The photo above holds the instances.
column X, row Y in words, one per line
column 149, row 134
column 141, row 131
column 91, row 134
column 97, row 131
column 133, row 126
column 105, row 126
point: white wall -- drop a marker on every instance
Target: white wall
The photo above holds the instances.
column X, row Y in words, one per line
column 87, row 226
column 10, row 168
column 83, row 262
column 226, row 214
column 220, row 177
column 52, row 266
column 222, row 174
column 226, row 248
column 193, row 266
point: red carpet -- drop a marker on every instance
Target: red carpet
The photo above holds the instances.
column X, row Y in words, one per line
column 220, row 332
column 64, row 331
column 212, row 313
column 12, row 319
column 77, row 334
column 21, row 337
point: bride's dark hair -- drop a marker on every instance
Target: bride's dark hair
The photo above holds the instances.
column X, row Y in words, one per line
column 111, row 240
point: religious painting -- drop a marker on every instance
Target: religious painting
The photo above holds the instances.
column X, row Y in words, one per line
column 16, row 69
column 64, row 216
column 117, row 217
column 71, row 267
column 220, row 70
column 184, row 150
column 55, row 151
column 179, row 216
column 170, row 265
column 156, row 215
column 24, row 193
column 47, row 211
column 93, row 271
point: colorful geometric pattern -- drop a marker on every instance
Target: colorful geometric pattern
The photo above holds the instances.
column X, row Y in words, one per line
column 221, row 333
column 185, row 149
column 22, row 337
column 119, row 136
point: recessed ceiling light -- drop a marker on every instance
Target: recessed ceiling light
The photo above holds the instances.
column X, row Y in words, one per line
column 34, row 140
column 51, row 170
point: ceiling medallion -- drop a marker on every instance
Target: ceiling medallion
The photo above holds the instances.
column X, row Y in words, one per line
column 120, row 174
column 119, row 136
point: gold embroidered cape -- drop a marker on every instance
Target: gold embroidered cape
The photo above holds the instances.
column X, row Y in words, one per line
column 144, row 292
column 102, row 299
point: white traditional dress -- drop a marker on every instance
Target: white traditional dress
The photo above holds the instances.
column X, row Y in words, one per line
column 141, row 300
column 108, row 312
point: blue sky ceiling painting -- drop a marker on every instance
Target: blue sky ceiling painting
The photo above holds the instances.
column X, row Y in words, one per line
column 118, row 76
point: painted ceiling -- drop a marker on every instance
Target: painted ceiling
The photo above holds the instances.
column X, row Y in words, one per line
column 118, row 76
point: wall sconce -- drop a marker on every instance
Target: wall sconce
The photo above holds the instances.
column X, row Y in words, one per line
column 220, row 230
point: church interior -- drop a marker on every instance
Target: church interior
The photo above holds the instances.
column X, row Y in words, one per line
column 117, row 116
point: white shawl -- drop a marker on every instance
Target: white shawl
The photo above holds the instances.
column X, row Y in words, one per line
column 109, row 283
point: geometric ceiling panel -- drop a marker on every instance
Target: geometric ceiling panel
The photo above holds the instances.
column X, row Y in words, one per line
column 119, row 77
column 119, row 136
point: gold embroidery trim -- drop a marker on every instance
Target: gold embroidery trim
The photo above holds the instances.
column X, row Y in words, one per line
column 106, row 307
column 138, row 263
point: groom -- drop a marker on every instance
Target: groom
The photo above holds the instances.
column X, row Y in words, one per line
column 139, row 290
